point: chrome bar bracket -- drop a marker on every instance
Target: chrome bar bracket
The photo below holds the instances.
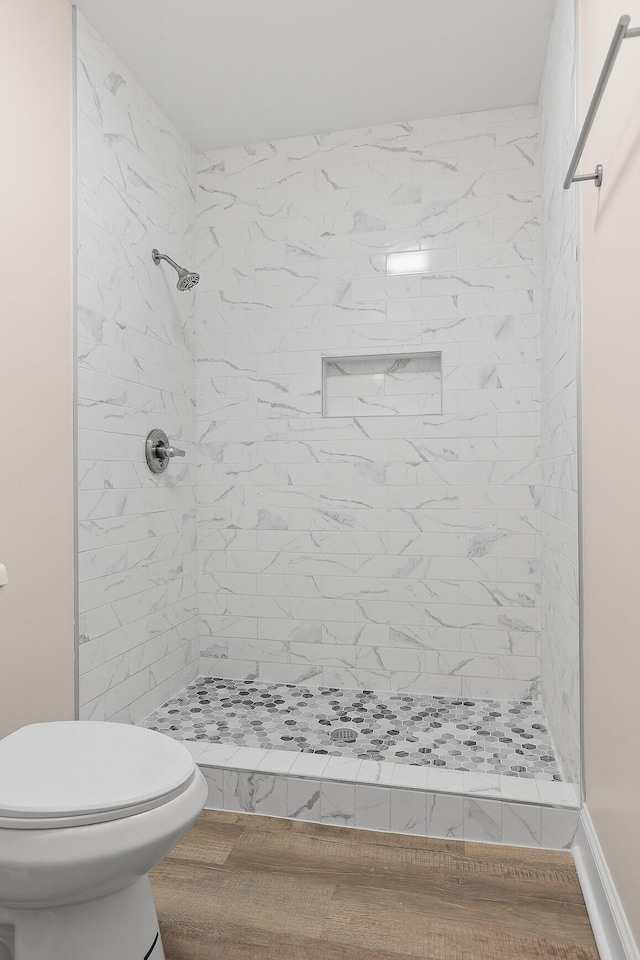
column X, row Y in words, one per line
column 596, row 176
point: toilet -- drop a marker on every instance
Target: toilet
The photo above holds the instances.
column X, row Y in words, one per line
column 86, row 810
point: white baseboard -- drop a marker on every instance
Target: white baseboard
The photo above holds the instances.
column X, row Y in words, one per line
column 611, row 929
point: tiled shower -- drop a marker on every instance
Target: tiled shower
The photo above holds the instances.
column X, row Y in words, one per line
column 375, row 384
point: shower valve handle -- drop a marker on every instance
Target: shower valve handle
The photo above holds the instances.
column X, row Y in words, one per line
column 166, row 452
column 159, row 451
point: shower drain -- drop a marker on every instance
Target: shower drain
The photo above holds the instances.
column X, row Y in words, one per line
column 343, row 735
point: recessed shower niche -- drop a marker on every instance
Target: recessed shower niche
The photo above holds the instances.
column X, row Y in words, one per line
column 382, row 385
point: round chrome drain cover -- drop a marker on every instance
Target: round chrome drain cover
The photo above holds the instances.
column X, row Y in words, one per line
column 343, row 735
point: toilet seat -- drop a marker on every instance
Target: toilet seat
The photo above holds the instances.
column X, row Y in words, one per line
column 73, row 773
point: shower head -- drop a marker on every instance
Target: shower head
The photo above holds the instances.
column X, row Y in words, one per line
column 186, row 278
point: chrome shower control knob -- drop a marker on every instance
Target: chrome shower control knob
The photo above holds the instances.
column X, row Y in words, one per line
column 165, row 452
column 158, row 451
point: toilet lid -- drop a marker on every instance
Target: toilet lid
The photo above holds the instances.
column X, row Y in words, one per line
column 75, row 768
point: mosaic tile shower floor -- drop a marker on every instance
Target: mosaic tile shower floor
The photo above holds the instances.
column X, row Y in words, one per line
column 506, row 737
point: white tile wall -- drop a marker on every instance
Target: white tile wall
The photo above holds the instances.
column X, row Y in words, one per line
column 137, row 532
column 397, row 551
column 560, row 612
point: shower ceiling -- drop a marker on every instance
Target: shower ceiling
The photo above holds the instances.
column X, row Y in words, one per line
column 238, row 71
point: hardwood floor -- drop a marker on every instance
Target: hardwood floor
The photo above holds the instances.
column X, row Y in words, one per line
column 256, row 888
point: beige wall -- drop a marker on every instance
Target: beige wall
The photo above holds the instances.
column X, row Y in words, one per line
column 36, row 364
column 610, row 237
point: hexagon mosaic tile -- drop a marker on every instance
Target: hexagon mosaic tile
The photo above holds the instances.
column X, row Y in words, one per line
column 504, row 737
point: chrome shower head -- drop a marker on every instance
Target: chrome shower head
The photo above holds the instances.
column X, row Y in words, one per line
column 186, row 278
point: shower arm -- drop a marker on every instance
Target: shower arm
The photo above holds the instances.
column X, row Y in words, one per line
column 157, row 257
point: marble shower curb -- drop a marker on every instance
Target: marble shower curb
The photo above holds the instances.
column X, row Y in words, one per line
column 389, row 796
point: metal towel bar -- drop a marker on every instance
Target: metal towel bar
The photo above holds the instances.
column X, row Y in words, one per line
column 622, row 32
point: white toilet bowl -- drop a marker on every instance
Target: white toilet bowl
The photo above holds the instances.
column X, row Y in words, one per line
column 86, row 810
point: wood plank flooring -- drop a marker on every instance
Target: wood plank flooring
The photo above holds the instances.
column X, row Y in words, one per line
column 244, row 887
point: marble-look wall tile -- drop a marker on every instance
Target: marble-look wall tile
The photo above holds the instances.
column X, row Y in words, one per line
column 303, row 799
column 560, row 683
column 215, row 786
column 373, row 808
column 408, row 811
column 247, row 792
column 559, row 828
column 445, row 816
column 521, row 825
column 404, row 546
column 139, row 642
column 482, row 820
column 338, row 803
